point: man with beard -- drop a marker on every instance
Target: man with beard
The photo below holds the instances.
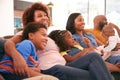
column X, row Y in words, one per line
column 99, row 22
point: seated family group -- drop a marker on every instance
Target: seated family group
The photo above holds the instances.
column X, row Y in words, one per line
column 72, row 54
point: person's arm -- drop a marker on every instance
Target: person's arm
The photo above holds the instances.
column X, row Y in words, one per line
column 112, row 67
column 33, row 72
column 19, row 63
column 116, row 27
column 87, row 42
column 117, row 47
column 98, row 42
column 69, row 58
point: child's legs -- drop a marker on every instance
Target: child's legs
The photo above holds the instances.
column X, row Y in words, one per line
column 94, row 63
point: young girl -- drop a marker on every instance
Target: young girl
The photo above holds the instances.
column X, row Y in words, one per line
column 50, row 61
column 109, row 34
column 69, row 48
column 33, row 34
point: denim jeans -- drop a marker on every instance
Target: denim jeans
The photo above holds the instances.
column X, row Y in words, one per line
column 68, row 73
column 88, row 67
column 113, row 59
column 93, row 63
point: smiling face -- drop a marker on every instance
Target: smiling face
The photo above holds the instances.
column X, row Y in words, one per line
column 102, row 22
column 68, row 39
column 99, row 22
column 39, row 38
column 79, row 23
column 41, row 16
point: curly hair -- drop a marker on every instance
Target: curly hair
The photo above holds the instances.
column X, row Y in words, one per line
column 58, row 37
column 32, row 27
column 28, row 15
column 70, row 22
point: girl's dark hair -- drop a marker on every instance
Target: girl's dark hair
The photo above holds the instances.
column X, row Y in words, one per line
column 32, row 27
column 58, row 37
column 28, row 15
column 70, row 22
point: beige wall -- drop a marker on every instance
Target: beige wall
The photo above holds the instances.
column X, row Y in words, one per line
column 6, row 17
column 18, row 13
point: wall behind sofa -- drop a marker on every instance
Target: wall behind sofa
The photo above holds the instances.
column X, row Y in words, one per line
column 6, row 17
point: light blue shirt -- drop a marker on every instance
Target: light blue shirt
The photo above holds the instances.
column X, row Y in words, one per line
column 79, row 39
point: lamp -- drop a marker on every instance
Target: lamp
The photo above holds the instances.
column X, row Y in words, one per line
column 50, row 4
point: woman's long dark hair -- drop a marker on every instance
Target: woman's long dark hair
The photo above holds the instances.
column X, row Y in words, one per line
column 70, row 22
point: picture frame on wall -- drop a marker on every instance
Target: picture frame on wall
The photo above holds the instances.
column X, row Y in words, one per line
column 17, row 22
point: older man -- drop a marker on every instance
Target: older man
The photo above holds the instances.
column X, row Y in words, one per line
column 99, row 22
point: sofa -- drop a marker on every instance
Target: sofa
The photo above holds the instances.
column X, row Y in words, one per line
column 2, row 41
column 116, row 75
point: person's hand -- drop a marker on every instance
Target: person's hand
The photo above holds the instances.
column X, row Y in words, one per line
column 36, row 69
column 117, row 47
column 113, row 25
column 87, row 41
column 93, row 49
column 20, row 66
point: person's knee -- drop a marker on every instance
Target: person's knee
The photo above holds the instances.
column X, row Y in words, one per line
column 95, row 54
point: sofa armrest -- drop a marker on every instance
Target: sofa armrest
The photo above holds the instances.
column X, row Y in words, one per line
column 42, row 77
column 2, row 41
